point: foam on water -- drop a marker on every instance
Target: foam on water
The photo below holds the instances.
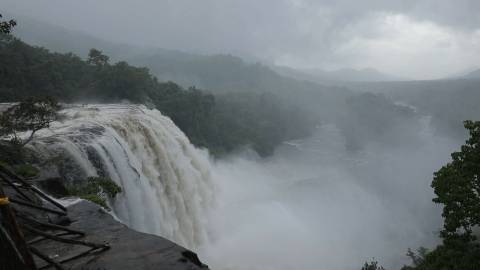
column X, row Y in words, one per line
column 166, row 182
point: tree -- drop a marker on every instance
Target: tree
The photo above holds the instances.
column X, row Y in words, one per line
column 373, row 265
column 457, row 186
column 97, row 58
column 30, row 115
column 419, row 257
column 7, row 26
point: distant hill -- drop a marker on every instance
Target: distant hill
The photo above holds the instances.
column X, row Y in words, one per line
column 322, row 94
column 355, row 75
column 468, row 73
column 223, row 74
column 59, row 39
column 340, row 75
column 448, row 102
column 213, row 72
column 473, row 75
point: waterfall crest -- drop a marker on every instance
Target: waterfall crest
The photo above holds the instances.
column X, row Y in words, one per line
column 166, row 182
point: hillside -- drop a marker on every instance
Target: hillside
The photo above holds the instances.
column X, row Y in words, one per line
column 448, row 102
column 62, row 40
column 473, row 75
column 334, row 77
column 218, row 74
column 235, row 82
column 32, row 71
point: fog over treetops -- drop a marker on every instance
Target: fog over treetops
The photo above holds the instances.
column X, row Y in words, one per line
column 410, row 39
column 320, row 123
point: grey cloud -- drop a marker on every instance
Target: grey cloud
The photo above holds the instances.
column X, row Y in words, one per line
column 305, row 32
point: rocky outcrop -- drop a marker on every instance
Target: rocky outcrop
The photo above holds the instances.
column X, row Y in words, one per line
column 129, row 249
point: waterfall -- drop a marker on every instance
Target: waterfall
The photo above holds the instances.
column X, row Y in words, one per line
column 166, row 182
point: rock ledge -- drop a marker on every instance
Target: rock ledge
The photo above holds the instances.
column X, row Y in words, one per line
column 129, row 249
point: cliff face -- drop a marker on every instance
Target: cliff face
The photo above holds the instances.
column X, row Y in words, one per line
column 126, row 248
column 166, row 182
column 129, row 249
column 166, row 188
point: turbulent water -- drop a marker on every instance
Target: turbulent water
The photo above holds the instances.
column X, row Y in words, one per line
column 312, row 205
column 317, row 205
column 166, row 182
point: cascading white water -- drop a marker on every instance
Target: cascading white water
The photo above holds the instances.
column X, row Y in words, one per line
column 313, row 204
column 166, row 183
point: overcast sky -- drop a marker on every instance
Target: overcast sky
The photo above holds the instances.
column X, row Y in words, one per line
column 420, row 39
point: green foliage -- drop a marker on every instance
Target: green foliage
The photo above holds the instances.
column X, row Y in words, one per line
column 260, row 120
column 457, row 186
column 96, row 189
column 97, row 58
column 107, row 185
column 373, row 117
column 419, row 257
column 448, row 102
column 373, row 265
column 27, row 170
column 30, row 115
column 220, row 124
column 95, row 198
column 6, row 26
column 454, row 254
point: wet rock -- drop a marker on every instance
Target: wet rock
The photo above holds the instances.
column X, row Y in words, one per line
column 54, row 186
column 129, row 249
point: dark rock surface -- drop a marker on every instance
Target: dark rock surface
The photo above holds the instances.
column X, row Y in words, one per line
column 130, row 250
column 54, row 186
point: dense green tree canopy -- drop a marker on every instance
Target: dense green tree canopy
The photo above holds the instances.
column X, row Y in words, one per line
column 97, row 58
column 221, row 123
column 457, row 186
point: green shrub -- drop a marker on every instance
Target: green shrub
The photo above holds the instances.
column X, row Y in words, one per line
column 96, row 190
column 106, row 184
column 95, row 198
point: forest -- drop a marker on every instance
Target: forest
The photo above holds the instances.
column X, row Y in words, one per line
column 220, row 124
column 237, row 106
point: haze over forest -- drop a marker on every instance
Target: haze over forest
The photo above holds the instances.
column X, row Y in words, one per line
column 412, row 39
column 317, row 133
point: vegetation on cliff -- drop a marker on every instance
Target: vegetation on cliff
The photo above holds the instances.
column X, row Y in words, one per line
column 30, row 115
column 457, row 188
column 220, row 124
column 97, row 190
